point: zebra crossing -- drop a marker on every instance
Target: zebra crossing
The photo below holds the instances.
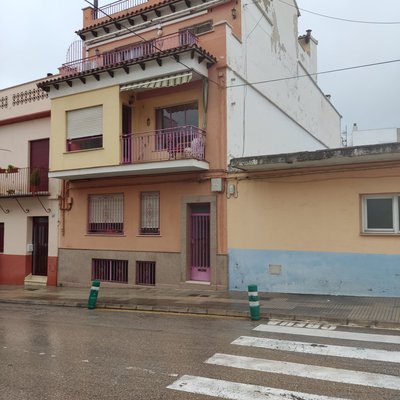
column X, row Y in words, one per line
column 225, row 389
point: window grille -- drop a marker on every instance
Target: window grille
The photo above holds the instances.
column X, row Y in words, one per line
column 106, row 213
column 110, row 270
column 150, row 213
column 146, row 273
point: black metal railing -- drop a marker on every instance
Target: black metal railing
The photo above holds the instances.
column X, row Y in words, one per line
column 116, row 6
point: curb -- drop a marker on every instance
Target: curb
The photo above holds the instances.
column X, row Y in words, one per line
column 209, row 311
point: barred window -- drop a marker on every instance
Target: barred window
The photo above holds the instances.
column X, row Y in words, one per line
column 106, row 213
column 150, row 213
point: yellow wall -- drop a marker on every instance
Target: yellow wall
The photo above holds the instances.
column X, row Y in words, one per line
column 109, row 154
column 310, row 213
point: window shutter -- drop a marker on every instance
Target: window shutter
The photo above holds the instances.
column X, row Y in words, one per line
column 85, row 122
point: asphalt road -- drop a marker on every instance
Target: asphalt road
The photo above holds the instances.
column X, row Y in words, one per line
column 68, row 353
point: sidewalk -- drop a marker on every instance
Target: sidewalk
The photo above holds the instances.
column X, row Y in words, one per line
column 365, row 311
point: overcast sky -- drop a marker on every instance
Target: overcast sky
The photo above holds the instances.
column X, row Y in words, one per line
column 35, row 36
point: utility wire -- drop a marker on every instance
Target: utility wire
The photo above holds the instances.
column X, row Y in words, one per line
column 344, row 19
column 315, row 74
column 98, row 9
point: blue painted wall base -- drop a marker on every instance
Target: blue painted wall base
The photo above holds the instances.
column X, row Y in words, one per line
column 282, row 271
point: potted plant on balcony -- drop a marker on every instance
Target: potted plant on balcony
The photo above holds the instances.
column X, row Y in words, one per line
column 11, row 169
column 35, row 180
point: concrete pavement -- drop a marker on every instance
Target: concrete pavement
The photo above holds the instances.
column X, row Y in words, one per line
column 365, row 311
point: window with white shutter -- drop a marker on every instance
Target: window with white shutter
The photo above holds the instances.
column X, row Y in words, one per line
column 85, row 128
column 106, row 213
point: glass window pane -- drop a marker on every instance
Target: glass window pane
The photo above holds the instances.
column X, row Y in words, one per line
column 380, row 213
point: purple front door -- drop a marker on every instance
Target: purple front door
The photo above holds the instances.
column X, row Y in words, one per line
column 199, row 246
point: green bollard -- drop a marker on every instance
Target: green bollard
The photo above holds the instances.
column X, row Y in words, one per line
column 254, row 303
column 94, row 291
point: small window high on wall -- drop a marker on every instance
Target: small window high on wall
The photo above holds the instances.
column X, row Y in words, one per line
column 85, row 128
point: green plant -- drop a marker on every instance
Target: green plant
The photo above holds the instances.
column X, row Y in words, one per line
column 11, row 168
column 35, row 177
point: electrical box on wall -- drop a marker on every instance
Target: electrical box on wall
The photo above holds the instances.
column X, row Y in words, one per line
column 216, row 185
column 29, row 248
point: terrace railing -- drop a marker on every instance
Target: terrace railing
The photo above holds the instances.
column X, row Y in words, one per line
column 181, row 142
column 135, row 51
column 115, row 7
column 23, row 182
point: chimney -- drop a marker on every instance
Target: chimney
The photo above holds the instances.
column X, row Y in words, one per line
column 308, row 35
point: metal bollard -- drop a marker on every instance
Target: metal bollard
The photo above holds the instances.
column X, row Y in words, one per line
column 94, row 291
column 254, row 304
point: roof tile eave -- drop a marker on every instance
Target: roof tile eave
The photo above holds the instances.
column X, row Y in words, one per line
column 117, row 65
column 111, row 19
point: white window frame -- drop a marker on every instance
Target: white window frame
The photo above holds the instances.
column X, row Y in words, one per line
column 395, row 214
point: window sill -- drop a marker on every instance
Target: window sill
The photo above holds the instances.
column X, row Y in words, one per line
column 83, row 150
column 380, row 234
column 106, row 234
column 149, row 235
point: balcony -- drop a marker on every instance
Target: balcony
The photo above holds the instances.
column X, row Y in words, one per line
column 20, row 182
column 178, row 143
column 116, row 7
column 130, row 53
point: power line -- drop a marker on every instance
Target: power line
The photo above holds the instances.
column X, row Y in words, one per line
column 141, row 37
column 315, row 74
column 344, row 19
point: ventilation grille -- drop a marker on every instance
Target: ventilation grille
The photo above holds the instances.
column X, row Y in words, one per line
column 110, row 270
column 145, row 273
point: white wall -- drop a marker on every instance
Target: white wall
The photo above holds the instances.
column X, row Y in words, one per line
column 283, row 116
column 375, row 136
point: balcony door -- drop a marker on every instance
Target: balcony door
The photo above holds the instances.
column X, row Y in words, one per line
column 173, row 133
column 126, row 135
column 39, row 159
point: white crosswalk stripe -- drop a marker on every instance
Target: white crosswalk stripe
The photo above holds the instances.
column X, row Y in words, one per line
column 307, row 371
column 365, row 337
column 238, row 391
column 318, row 349
column 226, row 389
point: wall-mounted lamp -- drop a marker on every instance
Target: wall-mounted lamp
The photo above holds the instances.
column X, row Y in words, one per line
column 97, row 52
column 234, row 12
column 148, row 121
column 159, row 30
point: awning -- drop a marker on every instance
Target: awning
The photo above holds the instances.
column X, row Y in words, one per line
column 165, row 81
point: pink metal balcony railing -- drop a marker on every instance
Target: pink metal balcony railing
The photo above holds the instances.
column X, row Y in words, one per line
column 133, row 52
column 115, row 7
column 23, row 182
column 181, row 142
